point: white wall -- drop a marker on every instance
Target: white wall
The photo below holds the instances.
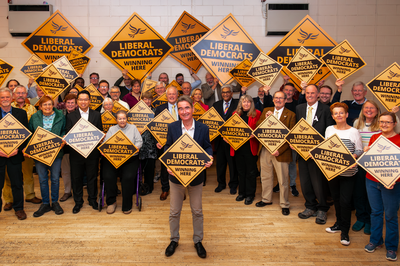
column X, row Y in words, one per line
column 371, row 26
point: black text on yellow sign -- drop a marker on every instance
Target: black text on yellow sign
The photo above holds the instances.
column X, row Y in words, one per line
column 54, row 38
column 185, row 158
column 235, row 131
column 52, row 82
column 304, row 65
column 186, row 31
column 140, row 115
column 159, row 126
column 264, row 69
column 66, row 69
column 386, row 86
column 332, row 157
column 44, row 146
column 137, row 47
column 117, row 107
column 304, row 138
column 12, row 134
column 175, row 84
column 79, row 61
column 5, row 70
column 213, row 120
column 271, row 133
column 239, row 73
column 225, row 46
column 33, row 67
column 96, row 99
column 108, row 120
column 343, row 60
column 160, row 100
column 198, row 111
column 149, row 85
column 118, row 149
column 382, row 161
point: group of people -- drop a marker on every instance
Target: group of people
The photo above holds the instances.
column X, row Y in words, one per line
column 357, row 122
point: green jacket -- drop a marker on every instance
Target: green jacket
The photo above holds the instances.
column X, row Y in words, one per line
column 58, row 127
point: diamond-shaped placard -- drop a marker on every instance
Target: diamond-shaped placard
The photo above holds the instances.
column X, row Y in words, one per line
column 213, row 120
column 159, row 126
column 52, row 82
column 117, row 107
column 223, row 47
column 140, row 115
column 235, row 131
column 12, row 134
column 183, row 34
column 239, row 73
column 137, row 47
column 198, row 111
column 96, row 99
column 78, row 60
column 44, row 146
column 108, row 120
column 304, row 65
column 304, row 138
column 33, row 67
column 118, row 149
column 66, row 69
column 332, row 157
column 343, row 60
column 382, row 161
column 83, row 137
column 264, row 69
column 5, row 70
column 175, row 84
column 185, row 158
column 386, row 86
column 160, row 100
column 271, row 133
column 149, row 85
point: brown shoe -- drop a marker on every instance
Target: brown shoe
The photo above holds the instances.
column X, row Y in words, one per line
column 164, row 196
column 34, row 200
column 21, row 215
column 7, row 206
column 66, row 196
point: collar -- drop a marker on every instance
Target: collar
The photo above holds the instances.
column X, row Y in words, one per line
column 191, row 128
column 314, row 106
column 82, row 112
column 228, row 102
column 354, row 101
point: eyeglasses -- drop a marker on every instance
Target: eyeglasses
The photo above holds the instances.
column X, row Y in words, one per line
column 104, row 87
column 83, row 100
column 385, row 122
column 94, row 78
column 279, row 98
column 325, row 93
column 225, row 92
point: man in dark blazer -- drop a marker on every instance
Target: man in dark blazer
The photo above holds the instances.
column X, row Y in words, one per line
column 279, row 160
column 225, row 108
column 199, row 132
column 313, row 182
column 211, row 89
column 13, row 162
column 263, row 100
column 171, row 106
column 79, row 164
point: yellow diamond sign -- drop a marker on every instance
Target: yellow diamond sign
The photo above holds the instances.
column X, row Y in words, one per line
column 239, row 73
column 235, row 131
column 213, row 120
column 304, row 65
column 12, row 134
column 264, row 69
column 5, row 70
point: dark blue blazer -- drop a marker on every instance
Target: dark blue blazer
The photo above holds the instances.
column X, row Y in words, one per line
column 201, row 136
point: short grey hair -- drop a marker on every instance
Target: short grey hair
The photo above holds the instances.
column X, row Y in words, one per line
column 107, row 100
column 115, row 87
column 5, row 89
column 227, row 86
column 174, row 88
column 20, row 86
column 357, row 83
column 285, row 96
column 160, row 83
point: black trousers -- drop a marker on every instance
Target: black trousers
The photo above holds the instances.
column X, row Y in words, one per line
column 224, row 159
column 313, row 185
column 246, row 165
column 128, row 174
column 79, row 167
column 14, row 171
column 164, row 174
column 148, row 167
column 360, row 197
column 341, row 188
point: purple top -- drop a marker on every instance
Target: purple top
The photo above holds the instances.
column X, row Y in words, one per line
column 130, row 99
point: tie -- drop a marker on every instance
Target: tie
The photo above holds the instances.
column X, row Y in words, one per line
column 309, row 115
column 276, row 114
column 226, row 108
column 174, row 112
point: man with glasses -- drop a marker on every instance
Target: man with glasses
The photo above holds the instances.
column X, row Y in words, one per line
column 94, row 79
column 79, row 164
column 124, row 90
column 179, row 78
column 212, row 90
column 115, row 96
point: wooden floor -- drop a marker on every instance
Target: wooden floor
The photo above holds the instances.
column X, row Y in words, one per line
column 235, row 234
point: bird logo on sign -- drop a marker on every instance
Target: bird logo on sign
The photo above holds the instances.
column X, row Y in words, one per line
column 393, row 74
column 118, row 139
column 106, row 119
column 301, row 56
column 333, row 145
column 34, row 61
column 210, row 115
column 306, row 36
column 41, row 136
column 262, row 61
column 57, row 27
column 196, row 110
column 270, row 123
column 62, row 64
column 344, row 50
column 234, row 122
column 228, row 32
column 164, row 118
column 187, row 27
column 7, row 124
column 135, row 31
column 302, row 128
column 185, row 145
column 51, row 73
column 82, row 127
column 246, row 66
column 140, row 108
column 381, row 148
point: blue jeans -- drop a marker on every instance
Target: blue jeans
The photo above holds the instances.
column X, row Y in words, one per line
column 42, row 170
column 385, row 200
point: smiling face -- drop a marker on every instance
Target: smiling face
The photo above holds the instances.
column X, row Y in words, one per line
column 279, row 100
column 121, row 120
column 159, row 89
column 103, row 88
column 197, row 95
column 209, row 79
column 115, row 93
column 164, row 78
column 289, row 91
column 5, row 99
column 358, row 93
column 312, row 95
column 172, row 95
column 83, row 101
column 260, row 93
column 386, row 124
column 47, row 107
column 186, row 88
column 339, row 115
column 136, row 88
column 325, row 95
column 20, row 95
column 246, row 104
column 147, row 101
column 370, row 111
column 12, row 84
column 226, row 94
column 70, row 105
column 185, row 111
column 108, row 106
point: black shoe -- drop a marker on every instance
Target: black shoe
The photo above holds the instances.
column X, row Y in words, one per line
column 57, row 208
column 219, row 189
column 201, row 251
column 42, row 210
column 249, row 200
column 233, row 191
column 285, row 211
column 263, row 204
column 294, row 191
column 171, row 248
column 240, row 198
column 276, row 188
column 118, row 192
column 77, row 208
column 94, row 205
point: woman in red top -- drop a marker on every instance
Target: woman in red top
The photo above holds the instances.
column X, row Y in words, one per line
column 133, row 97
column 246, row 156
column 383, row 200
column 197, row 94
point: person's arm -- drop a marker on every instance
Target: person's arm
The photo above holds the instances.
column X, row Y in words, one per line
column 208, row 92
column 195, row 84
column 118, row 82
column 302, row 98
column 31, row 89
column 196, row 78
column 336, row 97
column 237, row 88
column 137, row 138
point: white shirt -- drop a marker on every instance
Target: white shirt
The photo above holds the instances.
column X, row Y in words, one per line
column 229, row 105
column 84, row 115
column 123, row 103
column 190, row 131
column 176, row 109
column 216, row 95
column 314, row 110
column 279, row 113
